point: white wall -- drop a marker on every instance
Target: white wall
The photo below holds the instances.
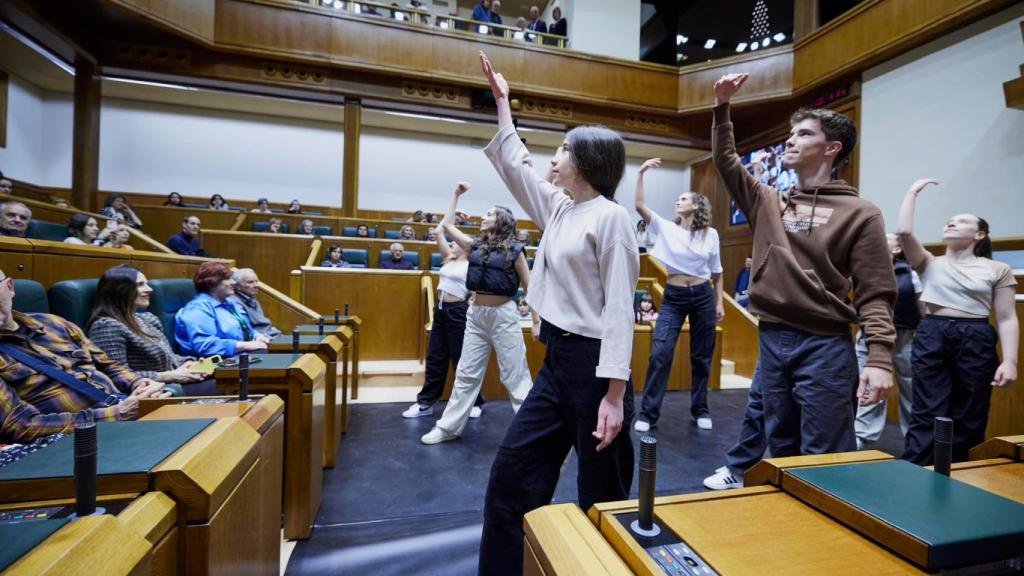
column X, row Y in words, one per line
column 939, row 111
column 410, row 171
column 158, row 148
column 606, row 27
column 39, row 127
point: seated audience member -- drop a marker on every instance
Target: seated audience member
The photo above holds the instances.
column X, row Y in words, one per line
column 217, row 203
column 129, row 335
column 116, row 208
column 523, row 237
column 647, row 312
column 50, row 373
column 262, row 206
column 461, row 218
column 187, row 242
column 482, row 11
column 536, row 24
column 6, row 186
column 407, row 233
column 496, row 14
column 173, row 199
column 643, row 237
column 210, row 324
column 524, row 309
column 416, row 217
column 743, row 284
column 305, row 227
column 247, row 286
column 559, row 26
column 275, row 226
column 62, row 203
column 334, row 258
column 396, row 262
column 363, row 231
column 431, row 235
column 430, row 218
column 521, row 26
column 416, row 4
column 295, row 207
column 82, row 229
column 119, row 238
column 14, row 219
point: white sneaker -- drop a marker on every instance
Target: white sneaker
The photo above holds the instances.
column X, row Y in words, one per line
column 475, row 412
column 723, row 479
column 641, row 426
column 417, row 410
column 436, row 436
column 704, row 423
column 860, row 444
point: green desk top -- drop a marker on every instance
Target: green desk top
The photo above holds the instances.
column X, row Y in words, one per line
column 124, row 448
column 304, row 339
column 960, row 523
column 268, row 361
column 328, row 326
column 19, row 539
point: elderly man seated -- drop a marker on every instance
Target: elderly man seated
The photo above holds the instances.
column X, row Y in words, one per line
column 396, row 262
column 247, row 286
column 52, row 376
column 14, row 219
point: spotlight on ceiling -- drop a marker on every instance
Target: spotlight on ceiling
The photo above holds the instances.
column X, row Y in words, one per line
column 741, row 46
column 779, row 37
column 680, row 39
column 754, row 46
column 709, row 44
column 766, row 41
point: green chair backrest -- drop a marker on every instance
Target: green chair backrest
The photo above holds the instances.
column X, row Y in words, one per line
column 73, row 300
column 264, row 226
column 169, row 296
column 30, row 297
column 43, row 230
column 356, row 257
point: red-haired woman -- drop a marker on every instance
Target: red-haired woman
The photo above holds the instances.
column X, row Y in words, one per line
column 210, row 324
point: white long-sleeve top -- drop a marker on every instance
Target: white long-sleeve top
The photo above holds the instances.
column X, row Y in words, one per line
column 585, row 272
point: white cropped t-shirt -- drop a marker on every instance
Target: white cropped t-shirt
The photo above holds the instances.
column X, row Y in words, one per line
column 697, row 255
column 964, row 286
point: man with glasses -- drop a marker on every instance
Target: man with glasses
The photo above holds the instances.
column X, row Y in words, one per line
column 51, row 375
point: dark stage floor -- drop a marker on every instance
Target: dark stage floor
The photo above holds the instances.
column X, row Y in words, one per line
column 396, row 507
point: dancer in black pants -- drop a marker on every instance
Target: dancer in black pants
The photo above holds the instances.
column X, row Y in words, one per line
column 449, row 325
column 954, row 362
column 582, row 284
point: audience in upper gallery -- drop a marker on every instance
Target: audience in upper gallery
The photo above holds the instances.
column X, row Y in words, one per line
column 482, row 11
column 187, row 242
column 407, row 233
column 416, row 4
column 646, row 311
column 247, row 286
column 559, row 26
column 295, row 207
column 6, row 186
column 396, row 262
column 210, row 324
column 334, row 258
column 431, row 235
column 116, row 207
column 643, row 237
column 743, row 284
column 262, row 206
column 417, row 217
column 83, row 229
column 536, row 24
column 496, row 15
column 14, row 219
column 431, row 218
column 524, row 309
column 523, row 237
column 119, row 238
column 50, row 373
column 275, row 226
column 461, row 218
column 305, row 227
column 129, row 335
column 62, row 203
column 217, row 203
column 362, row 231
column 174, row 199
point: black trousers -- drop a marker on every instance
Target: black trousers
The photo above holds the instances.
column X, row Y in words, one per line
column 444, row 348
column 559, row 414
column 954, row 361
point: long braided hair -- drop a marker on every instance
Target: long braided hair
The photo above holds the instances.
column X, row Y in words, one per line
column 701, row 214
column 501, row 236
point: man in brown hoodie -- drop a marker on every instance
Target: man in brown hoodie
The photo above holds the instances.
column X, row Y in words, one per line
column 811, row 246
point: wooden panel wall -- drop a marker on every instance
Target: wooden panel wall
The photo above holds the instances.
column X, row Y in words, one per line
column 272, row 256
column 1006, row 416
column 390, row 303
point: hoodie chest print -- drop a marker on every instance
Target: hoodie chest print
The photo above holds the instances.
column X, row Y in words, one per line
column 801, row 217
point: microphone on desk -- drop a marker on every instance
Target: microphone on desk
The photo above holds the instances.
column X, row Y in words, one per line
column 295, row 341
column 943, row 447
column 346, row 309
column 320, row 325
column 337, row 316
column 243, row 376
column 85, row 467
column 644, row 525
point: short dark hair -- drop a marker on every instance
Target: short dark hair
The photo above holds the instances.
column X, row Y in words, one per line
column 599, row 156
column 113, row 198
column 836, row 126
column 209, row 275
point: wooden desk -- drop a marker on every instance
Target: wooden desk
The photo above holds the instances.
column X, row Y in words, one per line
column 212, row 479
column 352, row 323
column 266, row 416
column 298, row 379
column 329, row 348
column 143, row 539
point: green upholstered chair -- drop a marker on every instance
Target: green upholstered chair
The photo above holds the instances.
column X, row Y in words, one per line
column 169, row 296
column 264, row 226
column 30, row 296
column 356, row 258
column 43, row 230
column 436, row 261
column 73, row 300
column 322, row 231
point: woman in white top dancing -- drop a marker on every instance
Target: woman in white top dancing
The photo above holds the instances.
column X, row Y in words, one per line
column 689, row 249
column 582, row 285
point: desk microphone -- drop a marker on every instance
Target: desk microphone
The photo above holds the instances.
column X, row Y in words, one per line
column 295, row 341
column 346, row 309
column 85, row 467
column 337, row 315
column 644, row 525
column 243, row 377
column 320, row 325
column 943, row 448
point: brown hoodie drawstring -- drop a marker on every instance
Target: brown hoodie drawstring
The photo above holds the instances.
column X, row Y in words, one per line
column 814, row 204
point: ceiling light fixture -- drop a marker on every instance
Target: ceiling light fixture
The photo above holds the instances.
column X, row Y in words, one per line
column 779, row 37
column 741, row 46
column 148, row 83
column 680, row 39
column 38, row 48
column 754, row 46
column 709, row 44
